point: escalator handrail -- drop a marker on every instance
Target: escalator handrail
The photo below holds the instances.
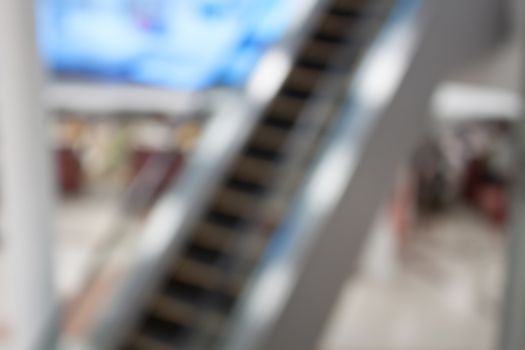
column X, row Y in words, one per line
column 233, row 117
column 379, row 76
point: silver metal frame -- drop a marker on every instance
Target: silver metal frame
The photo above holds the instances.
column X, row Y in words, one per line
column 317, row 247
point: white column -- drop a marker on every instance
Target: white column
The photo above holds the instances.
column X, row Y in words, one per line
column 25, row 184
column 512, row 336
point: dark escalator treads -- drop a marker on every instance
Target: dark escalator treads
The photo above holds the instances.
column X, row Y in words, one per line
column 278, row 123
column 246, row 186
column 257, row 152
column 223, row 219
column 207, row 277
column 205, row 255
column 165, row 332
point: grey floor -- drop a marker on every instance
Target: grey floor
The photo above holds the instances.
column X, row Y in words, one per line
column 443, row 292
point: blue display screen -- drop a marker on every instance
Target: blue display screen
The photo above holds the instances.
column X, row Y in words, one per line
column 184, row 44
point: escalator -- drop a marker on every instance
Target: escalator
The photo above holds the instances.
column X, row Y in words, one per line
column 193, row 305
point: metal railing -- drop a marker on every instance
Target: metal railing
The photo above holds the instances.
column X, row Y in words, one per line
column 234, row 116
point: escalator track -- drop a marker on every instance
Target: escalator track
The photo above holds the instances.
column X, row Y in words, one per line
column 198, row 296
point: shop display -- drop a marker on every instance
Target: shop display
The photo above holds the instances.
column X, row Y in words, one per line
column 470, row 163
column 138, row 158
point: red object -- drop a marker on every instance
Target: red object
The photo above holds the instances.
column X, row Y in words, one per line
column 473, row 180
column 69, row 171
column 493, row 201
column 401, row 208
column 487, row 193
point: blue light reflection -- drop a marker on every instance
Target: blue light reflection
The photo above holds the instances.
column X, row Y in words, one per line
column 184, row 44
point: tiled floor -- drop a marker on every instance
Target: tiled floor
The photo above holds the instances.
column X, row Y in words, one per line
column 445, row 294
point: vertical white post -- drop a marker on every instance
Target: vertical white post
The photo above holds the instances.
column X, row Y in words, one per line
column 512, row 336
column 25, row 184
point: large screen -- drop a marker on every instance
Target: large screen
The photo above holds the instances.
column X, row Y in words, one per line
column 184, row 44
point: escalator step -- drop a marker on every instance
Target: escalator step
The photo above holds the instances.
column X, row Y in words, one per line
column 327, row 38
column 245, row 186
column 296, row 93
column 346, row 11
column 234, row 202
column 224, row 219
column 212, row 236
column 305, row 63
column 256, row 152
column 303, row 79
column 353, row 6
column 218, row 300
column 336, row 27
column 174, row 310
column 278, row 123
column 204, row 254
column 318, row 52
column 197, row 274
column 145, row 342
column 221, row 302
column 253, row 170
column 187, row 293
column 163, row 332
column 270, row 138
column 286, row 107
column 207, row 277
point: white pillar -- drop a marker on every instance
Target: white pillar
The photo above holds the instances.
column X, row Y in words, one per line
column 512, row 336
column 25, row 184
